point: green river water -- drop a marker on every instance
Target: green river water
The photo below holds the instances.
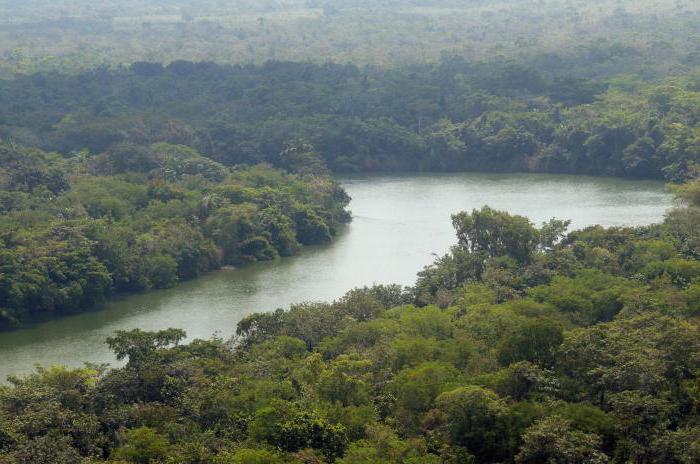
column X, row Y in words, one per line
column 399, row 223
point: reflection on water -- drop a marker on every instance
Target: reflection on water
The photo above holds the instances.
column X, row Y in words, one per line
column 399, row 222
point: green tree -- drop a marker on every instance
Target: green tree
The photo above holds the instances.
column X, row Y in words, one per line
column 554, row 441
column 536, row 340
column 142, row 446
column 415, row 390
column 249, row 456
column 138, row 345
column 47, row 449
column 640, row 418
column 289, row 429
column 681, row 446
column 496, row 233
column 474, row 420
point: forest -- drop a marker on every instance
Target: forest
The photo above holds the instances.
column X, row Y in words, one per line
column 651, row 37
column 450, row 116
column 602, row 87
column 147, row 142
column 524, row 344
column 75, row 230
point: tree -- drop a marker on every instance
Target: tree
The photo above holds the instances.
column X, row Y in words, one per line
column 125, row 157
column 138, row 345
column 415, row 390
column 311, row 228
column 552, row 232
column 474, row 420
column 162, row 271
column 289, row 429
column 344, row 382
column 300, row 157
column 681, row 446
column 381, row 445
column 523, row 380
column 258, row 327
column 553, row 441
column 642, row 354
column 495, row 233
column 142, row 446
column 537, row 341
column 690, row 191
column 248, row 456
column 47, row 449
column 640, row 419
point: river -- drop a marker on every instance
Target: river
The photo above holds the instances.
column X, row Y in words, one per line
column 399, row 222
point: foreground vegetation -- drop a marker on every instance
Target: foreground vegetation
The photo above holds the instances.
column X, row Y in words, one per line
column 521, row 345
column 74, row 230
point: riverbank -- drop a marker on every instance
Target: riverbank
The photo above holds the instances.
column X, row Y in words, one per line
column 399, row 223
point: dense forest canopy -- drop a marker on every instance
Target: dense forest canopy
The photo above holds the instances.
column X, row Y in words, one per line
column 521, row 345
column 454, row 115
column 75, row 230
column 602, row 87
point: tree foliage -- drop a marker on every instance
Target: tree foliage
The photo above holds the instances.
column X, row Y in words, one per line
column 75, row 229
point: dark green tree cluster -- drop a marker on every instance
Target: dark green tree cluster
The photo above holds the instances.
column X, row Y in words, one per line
column 522, row 345
column 453, row 115
column 75, row 229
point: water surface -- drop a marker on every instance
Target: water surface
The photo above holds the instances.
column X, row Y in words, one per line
column 399, row 222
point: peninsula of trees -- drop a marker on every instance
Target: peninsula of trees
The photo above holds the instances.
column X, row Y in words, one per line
column 76, row 229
